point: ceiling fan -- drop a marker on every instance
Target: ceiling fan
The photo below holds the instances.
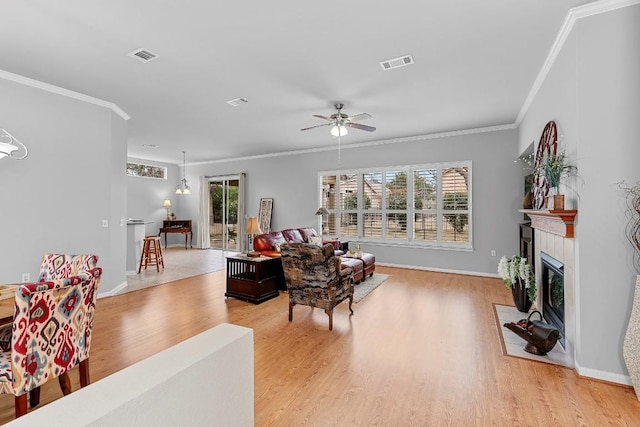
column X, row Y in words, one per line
column 340, row 122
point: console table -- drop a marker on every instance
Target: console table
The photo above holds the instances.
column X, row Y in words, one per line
column 177, row 226
column 253, row 279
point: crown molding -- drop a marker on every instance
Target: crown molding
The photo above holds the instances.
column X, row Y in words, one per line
column 584, row 11
column 64, row 92
column 364, row 144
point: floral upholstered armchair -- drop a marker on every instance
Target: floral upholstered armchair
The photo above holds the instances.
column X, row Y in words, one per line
column 51, row 329
column 314, row 277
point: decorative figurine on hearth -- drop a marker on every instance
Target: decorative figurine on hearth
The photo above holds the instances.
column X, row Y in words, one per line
column 540, row 336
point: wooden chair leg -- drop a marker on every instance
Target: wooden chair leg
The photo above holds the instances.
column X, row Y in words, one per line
column 21, row 405
column 145, row 249
column 330, row 314
column 34, row 397
column 291, row 304
column 84, row 373
column 350, row 303
column 65, row 383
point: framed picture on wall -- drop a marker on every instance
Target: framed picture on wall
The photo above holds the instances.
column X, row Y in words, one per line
column 264, row 215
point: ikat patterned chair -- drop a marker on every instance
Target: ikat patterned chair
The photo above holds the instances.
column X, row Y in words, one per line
column 61, row 266
column 51, row 329
column 314, row 277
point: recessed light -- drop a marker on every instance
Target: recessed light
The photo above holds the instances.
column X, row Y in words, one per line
column 150, row 146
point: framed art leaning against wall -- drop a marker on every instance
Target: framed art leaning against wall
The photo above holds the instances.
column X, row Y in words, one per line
column 264, row 215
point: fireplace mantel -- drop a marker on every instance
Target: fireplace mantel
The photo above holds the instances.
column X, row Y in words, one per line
column 558, row 222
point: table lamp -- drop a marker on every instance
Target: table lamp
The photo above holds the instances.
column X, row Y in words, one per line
column 253, row 228
column 167, row 204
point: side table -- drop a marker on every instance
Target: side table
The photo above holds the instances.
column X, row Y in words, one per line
column 253, row 279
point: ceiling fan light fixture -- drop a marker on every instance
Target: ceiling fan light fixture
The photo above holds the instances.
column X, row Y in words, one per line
column 339, row 130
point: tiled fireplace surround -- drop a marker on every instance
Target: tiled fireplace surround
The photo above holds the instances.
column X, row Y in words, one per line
column 561, row 248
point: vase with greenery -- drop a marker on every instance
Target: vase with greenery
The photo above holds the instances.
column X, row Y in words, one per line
column 631, row 344
column 519, row 276
column 555, row 167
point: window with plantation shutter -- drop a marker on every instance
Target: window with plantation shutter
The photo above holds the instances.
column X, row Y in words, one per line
column 396, row 204
column 419, row 205
column 349, row 205
column 425, row 219
column 372, row 204
column 455, row 204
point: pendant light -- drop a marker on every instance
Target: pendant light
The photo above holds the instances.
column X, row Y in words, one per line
column 183, row 187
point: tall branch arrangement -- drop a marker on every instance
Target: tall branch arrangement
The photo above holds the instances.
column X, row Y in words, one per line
column 633, row 216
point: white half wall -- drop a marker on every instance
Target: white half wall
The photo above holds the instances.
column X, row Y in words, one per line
column 206, row 380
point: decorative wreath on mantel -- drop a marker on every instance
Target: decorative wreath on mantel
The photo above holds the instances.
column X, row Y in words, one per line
column 548, row 145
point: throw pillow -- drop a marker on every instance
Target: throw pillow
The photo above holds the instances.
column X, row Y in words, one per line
column 276, row 247
column 315, row 240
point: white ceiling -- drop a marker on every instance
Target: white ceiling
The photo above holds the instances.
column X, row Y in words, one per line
column 475, row 63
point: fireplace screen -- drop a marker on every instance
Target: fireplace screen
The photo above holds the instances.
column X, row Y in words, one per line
column 553, row 292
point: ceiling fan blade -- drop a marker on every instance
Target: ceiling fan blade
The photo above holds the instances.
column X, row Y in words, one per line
column 361, row 116
column 317, row 126
column 361, row 127
column 322, row 117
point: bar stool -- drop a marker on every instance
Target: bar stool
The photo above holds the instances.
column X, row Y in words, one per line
column 151, row 253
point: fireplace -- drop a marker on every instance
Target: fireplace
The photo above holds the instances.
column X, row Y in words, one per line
column 552, row 293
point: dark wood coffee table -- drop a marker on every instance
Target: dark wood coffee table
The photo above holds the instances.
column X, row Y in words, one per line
column 253, row 279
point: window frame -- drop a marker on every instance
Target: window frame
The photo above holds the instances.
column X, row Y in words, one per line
column 409, row 241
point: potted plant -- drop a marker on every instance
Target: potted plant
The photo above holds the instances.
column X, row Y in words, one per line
column 518, row 275
column 555, row 167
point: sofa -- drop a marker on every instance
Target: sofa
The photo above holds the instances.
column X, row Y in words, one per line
column 268, row 244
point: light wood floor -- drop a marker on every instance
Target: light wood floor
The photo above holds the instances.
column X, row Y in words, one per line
column 421, row 350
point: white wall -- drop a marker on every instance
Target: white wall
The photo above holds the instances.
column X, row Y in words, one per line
column 593, row 92
column 55, row 199
column 292, row 182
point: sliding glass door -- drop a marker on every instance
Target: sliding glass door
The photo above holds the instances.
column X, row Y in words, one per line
column 223, row 213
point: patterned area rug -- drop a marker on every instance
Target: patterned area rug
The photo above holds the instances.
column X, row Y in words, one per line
column 365, row 287
column 512, row 344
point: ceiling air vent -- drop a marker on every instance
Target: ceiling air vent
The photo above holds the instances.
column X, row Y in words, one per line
column 397, row 62
column 143, row 55
column 237, row 101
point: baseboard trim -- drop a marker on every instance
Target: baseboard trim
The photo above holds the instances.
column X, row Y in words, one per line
column 438, row 270
column 113, row 291
column 609, row 377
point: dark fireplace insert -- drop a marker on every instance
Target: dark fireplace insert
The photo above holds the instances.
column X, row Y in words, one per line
column 552, row 296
